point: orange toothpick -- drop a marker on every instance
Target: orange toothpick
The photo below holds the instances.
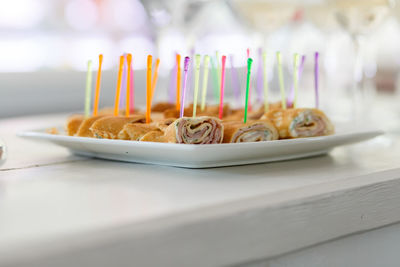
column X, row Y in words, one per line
column 178, row 82
column 148, row 88
column 118, row 91
column 128, row 83
column 97, row 93
column 155, row 78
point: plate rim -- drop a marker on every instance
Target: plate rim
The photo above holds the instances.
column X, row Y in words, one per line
column 42, row 135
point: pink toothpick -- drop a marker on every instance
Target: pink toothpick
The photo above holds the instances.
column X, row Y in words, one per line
column 221, row 99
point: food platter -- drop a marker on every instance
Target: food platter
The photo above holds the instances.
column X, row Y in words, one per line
column 204, row 156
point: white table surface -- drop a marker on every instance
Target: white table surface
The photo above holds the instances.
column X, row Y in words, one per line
column 57, row 209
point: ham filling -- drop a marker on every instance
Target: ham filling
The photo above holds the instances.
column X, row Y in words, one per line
column 307, row 124
column 253, row 133
column 200, row 132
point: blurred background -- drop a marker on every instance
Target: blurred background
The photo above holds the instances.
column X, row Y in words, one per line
column 45, row 46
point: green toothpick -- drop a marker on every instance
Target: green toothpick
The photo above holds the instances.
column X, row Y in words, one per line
column 281, row 82
column 218, row 68
column 249, row 62
column 295, row 78
column 265, row 82
column 88, row 90
column 197, row 60
column 206, row 61
column 215, row 80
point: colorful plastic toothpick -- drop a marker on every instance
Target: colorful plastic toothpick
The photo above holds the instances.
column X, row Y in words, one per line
column 206, row 61
column 248, row 56
column 218, row 68
column 295, row 78
column 122, row 99
column 316, row 76
column 249, row 62
column 155, row 79
column 197, row 62
column 148, row 88
column 88, row 90
column 281, row 82
column 97, row 92
column 185, row 74
column 128, row 85
column 221, row 98
column 215, row 83
column 132, row 91
column 265, row 82
column 118, row 89
column 178, row 81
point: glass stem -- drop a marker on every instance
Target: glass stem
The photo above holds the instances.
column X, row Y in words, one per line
column 358, row 78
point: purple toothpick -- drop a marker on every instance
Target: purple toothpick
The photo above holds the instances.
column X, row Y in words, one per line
column 190, row 72
column 259, row 83
column 185, row 74
column 316, row 76
column 301, row 67
column 235, row 81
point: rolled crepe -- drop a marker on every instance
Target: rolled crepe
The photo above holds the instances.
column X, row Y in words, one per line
column 255, row 114
column 163, row 124
column 300, row 122
column 173, row 113
column 214, row 111
column 199, row 130
column 238, row 115
column 254, row 131
column 162, row 106
column 73, row 123
column 110, row 111
column 135, row 131
column 277, row 105
column 153, row 136
column 157, row 116
column 84, row 128
column 110, row 126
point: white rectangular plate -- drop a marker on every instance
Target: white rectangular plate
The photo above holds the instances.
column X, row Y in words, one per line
column 203, row 156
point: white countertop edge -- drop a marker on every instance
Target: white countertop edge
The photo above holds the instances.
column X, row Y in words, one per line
column 240, row 231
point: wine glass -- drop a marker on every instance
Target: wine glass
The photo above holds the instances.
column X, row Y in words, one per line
column 264, row 17
column 359, row 18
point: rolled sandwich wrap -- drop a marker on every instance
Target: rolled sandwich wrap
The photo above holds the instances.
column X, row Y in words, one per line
column 214, row 111
column 84, row 128
column 153, row 136
column 300, row 122
column 253, row 131
column 277, row 105
column 163, row 124
column 173, row 113
column 73, row 123
column 199, row 130
column 110, row 126
column 162, row 106
column 237, row 115
column 135, row 131
column 110, row 111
